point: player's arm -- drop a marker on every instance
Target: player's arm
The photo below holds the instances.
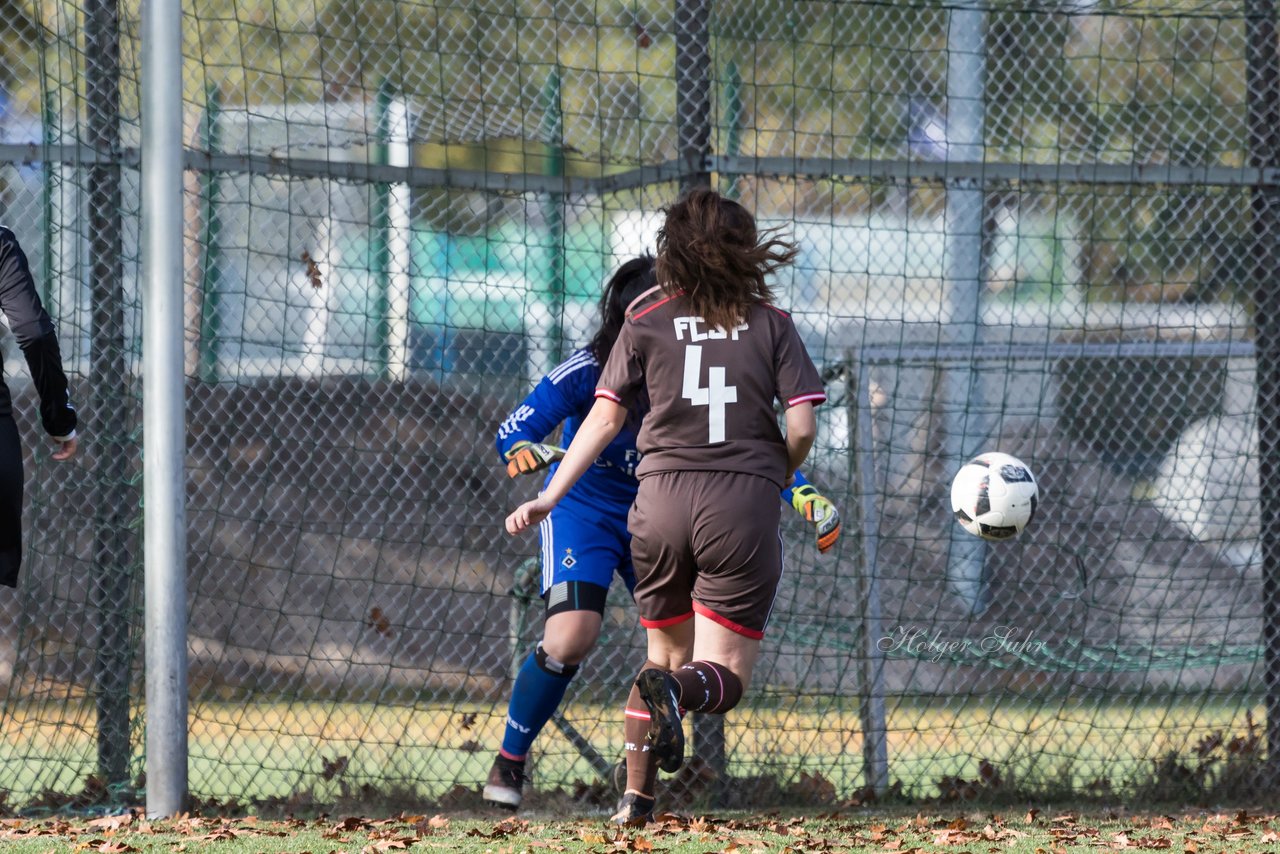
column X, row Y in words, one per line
column 520, row 436
column 800, row 389
column 802, row 430
column 816, row 509
column 35, row 334
column 601, row 426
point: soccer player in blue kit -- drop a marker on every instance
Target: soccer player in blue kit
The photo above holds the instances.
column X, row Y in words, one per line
column 585, row 539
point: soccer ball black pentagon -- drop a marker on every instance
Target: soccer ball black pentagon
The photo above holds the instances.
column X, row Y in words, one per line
column 994, row 496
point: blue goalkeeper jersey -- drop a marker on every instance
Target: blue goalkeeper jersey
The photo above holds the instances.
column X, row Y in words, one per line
column 566, row 394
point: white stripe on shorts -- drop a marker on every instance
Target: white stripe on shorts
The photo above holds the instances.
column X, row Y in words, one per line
column 548, row 553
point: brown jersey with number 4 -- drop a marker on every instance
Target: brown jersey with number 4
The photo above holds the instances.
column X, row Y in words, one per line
column 711, row 391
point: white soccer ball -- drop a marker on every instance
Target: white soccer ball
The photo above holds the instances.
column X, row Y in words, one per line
column 994, row 496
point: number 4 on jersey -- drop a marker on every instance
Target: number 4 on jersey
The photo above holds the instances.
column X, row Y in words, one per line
column 716, row 395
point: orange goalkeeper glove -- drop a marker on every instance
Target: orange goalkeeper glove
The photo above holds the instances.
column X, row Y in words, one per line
column 525, row 457
column 816, row 508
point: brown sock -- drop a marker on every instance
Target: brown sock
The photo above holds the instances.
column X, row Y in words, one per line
column 642, row 771
column 708, row 687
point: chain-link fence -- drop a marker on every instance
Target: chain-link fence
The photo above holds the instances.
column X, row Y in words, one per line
column 1043, row 228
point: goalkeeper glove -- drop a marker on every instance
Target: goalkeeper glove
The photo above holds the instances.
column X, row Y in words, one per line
column 525, row 457
column 816, row 508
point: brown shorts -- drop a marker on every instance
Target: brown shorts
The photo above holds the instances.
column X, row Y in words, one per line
column 706, row 541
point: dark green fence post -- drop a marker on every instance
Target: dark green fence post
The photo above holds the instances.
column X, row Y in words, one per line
column 210, row 345
column 693, row 120
column 111, row 404
column 379, row 245
column 553, row 133
column 52, row 128
column 734, row 117
column 1263, row 84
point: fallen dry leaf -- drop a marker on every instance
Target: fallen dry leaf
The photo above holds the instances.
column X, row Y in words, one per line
column 352, row 822
column 115, row 848
column 112, row 822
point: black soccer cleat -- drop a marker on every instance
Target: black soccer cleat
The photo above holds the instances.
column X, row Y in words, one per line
column 633, row 810
column 661, row 693
column 505, row 786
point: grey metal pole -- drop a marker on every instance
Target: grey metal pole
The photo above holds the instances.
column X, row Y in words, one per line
column 966, row 63
column 164, row 422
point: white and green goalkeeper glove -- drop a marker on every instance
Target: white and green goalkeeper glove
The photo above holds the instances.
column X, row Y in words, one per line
column 816, row 508
column 525, row 457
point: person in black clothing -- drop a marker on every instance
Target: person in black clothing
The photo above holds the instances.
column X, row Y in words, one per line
column 34, row 332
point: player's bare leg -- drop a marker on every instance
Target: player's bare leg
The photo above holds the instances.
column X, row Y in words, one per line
column 669, row 647
column 655, row 687
column 712, row 683
column 731, row 650
column 568, row 638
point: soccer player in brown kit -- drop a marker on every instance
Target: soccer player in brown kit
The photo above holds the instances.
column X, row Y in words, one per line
column 714, row 354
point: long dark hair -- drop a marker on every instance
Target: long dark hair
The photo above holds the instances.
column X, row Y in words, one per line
column 709, row 248
column 628, row 282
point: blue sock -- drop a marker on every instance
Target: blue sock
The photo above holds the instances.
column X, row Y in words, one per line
column 539, row 688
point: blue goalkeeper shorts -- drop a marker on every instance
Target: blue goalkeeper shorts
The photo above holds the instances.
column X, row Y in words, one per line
column 584, row 546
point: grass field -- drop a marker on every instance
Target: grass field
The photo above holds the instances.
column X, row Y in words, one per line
column 321, row 752
column 1030, row 830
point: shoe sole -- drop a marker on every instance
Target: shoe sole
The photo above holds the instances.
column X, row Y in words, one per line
column 619, row 776
column 500, row 796
column 666, row 731
column 626, row 816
